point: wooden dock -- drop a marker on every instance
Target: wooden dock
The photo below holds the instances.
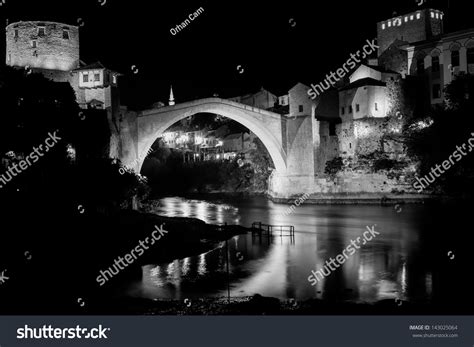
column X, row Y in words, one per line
column 261, row 229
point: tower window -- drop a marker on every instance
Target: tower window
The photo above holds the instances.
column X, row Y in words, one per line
column 436, row 91
column 357, row 107
column 300, row 108
column 455, row 58
column 383, row 26
column 96, row 77
column 418, row 15
column 432, row 15
column 65, row 34
column 33, row 44
column 41, row 31
column 376, row 107
column 389, row 24
column 114, row 79
column 435, row 64
column 412, row 17
column 437, row 15
column 406, row 19
column 16, row 33
column 85, row 78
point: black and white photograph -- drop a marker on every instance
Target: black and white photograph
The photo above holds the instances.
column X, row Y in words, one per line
column 237, row 159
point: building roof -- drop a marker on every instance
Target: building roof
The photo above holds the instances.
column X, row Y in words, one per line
column 363, row 83
column 234, row 136
column 379, row 69
column 94, row 66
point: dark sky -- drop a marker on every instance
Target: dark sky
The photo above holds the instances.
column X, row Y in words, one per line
column 202, row 59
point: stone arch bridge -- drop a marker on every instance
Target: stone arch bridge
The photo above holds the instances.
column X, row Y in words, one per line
column 288, row 139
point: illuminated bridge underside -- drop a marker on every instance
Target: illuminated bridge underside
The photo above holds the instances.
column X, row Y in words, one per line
column 288, row 140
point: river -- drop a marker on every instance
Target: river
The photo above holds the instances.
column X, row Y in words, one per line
column 393, row 265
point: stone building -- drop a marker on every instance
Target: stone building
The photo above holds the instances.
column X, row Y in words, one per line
column 52, row 49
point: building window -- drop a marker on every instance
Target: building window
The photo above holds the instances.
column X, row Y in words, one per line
column 33, row 44
column 412, row 17
column 97, row 77
column 16, row 33
column 85, row 78
column 406, row 19
column 376, row 107
column 436, row 91
column 389, row 24
column 332, row 129
column 114, row 79
column 455, row 58
column 432, row 15
column 418, row 15
column 65, row 34
column 41, row 31
column 357, row 107
column 435, row 64
column 350, row 108
column 342, row 110
column 437, row 15
column 383, row 26
column 350, row 145
column 300, row 108
column 470, row 55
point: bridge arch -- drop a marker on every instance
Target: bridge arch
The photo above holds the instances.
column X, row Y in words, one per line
column 267, row 126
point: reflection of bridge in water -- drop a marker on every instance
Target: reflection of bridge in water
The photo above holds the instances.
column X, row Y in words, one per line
column 288, row 138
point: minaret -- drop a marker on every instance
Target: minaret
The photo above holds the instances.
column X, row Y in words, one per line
column 171, row 101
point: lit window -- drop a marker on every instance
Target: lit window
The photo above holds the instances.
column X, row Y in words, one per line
column 96, row 77
column 437, row 15
column 441, row 16
column 85, row 78
column 389, row 24
column 376, row 107
column 300, row 108
column 383, row 26
column 412, row 17
column 418, row 15
column 406, row 19
column 114, row 79
column 41, row 31
column 432, row 15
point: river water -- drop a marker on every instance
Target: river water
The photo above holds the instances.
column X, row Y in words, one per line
column 390, row 266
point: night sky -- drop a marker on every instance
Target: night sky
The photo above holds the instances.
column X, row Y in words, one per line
column 202, row 59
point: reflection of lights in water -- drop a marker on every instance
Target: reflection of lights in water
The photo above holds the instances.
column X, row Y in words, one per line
column 386, row 290
column 154, row 275
column 429, row 284
column 185, row 266
column 365, row 272
column 202, row 264
column 404, row 278
column 220, row 214
column 201, row 211
column 170, row 271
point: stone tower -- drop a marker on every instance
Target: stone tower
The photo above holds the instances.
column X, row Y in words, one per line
column 419, row 25
column 42, row 45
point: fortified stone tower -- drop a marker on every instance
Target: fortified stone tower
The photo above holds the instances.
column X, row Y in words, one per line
column 42, row 45
column 412, row 27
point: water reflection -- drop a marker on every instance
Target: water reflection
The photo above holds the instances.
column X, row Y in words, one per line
column 385, row 268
